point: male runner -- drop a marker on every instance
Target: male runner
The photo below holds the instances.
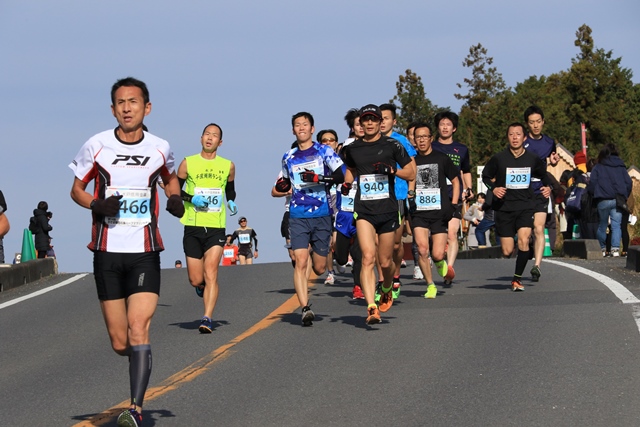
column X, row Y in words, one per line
column 309, row 169
column 229, row 252
column 508, row 175
column 447, row 124
column 401, row 188
column 125, row 163
column 373, row 159
column 245, row 236
column 545, row 148
column 430, row 206
column 209, row 178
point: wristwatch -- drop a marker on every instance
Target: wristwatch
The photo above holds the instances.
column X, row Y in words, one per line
column 411, row 193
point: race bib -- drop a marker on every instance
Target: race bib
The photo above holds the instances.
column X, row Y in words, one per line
column 244, row 239
column 347, row 201
column 135, row 208
column 428, row 199
column 374, row 187
column 314, row 165
column 518, row 178
column 228, row 253
column 213, row 196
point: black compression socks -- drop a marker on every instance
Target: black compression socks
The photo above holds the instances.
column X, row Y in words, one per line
column 521, row 261
column 139, row 372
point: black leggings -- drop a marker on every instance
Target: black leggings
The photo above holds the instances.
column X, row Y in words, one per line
column 345, row 245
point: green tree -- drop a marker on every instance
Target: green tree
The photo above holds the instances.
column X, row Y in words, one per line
column 412, row 101
column 485, row 82
column 603, row 96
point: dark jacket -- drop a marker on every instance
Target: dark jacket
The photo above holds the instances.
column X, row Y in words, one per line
column 39, row 226
column 608, row 178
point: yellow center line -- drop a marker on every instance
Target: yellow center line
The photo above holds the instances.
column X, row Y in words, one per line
column 199, row 367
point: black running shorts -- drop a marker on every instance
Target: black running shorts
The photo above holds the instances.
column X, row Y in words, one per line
column 508, row 223
column 382, row 223
column 119, row 275
column 198, row 240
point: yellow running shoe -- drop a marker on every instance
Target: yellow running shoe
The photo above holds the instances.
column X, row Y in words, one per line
column 432, row 291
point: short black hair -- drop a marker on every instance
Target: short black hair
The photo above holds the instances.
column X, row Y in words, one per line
column 446, row 115
column 212, row 124
column 304, row 114
column 128, row 82
column 534, row 109
column 351, row 117
column 389, row 107
column 413, row 125
column 422, row 125
column 322, row 132
column 515, row 125
column 43, row 206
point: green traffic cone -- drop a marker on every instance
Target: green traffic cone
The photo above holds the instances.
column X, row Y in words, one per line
column 547, row 246
column 28, row 249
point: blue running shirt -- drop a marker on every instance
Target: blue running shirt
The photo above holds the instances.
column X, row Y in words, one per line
column 309, row 200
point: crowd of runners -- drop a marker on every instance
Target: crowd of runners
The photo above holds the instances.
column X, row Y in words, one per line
column 350, row 200
column 347, row 201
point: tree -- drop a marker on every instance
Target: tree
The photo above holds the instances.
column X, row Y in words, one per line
column 414, row 104
column 485, row 82
column 603, row 96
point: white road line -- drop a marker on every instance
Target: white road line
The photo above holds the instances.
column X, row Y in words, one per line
column 618, row 290
column 42, row 291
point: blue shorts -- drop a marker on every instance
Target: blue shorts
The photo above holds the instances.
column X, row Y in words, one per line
column 311, row 231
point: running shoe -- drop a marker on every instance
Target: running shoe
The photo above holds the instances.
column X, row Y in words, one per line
column 615, row 252
column 206, row 325
column 378, row 294
column 330, row 280
column 396, row 287
column 403, row 264
column 200, row 291
column 130, row 418
column 357, row 292
column 417, row 273
column 442, row 268
column 535, row 273
column 386, row 301
column 349, row 262
column 451, row 274
column 373, row 316
column 341, row 269
column 432, row 291
column 516, row 286
column 307, row 316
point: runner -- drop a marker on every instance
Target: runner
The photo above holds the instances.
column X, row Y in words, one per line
column 508, row 175
column 545, row 148
column 401, row 188
column 430, row 206
column 209, row 178
column 309, row 169
column 372, row 159
column 125, row 163
column 245, row 236
column 447, row 124
column 229, row 252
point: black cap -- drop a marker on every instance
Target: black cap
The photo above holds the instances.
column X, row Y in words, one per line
column 371, row 109
column 242, row 218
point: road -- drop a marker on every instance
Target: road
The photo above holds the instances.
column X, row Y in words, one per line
column 566, row 352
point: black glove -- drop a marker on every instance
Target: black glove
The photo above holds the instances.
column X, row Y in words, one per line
column 383, row 169
column 283, row 185
column 107, row 207
column 345, row 188
column 413, row 207
column 309, row 176
column 175, row 206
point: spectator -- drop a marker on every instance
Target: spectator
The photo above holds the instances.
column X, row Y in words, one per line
column 50, row 252
column 39, row 226
column 487, row 222
column 4, row 225
column 229, row 252
column 609, row 178
column 474, row 215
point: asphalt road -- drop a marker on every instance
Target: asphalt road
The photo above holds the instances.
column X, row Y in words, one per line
column 566, row 352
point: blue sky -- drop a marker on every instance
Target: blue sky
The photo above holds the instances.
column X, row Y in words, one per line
column 248, row 66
